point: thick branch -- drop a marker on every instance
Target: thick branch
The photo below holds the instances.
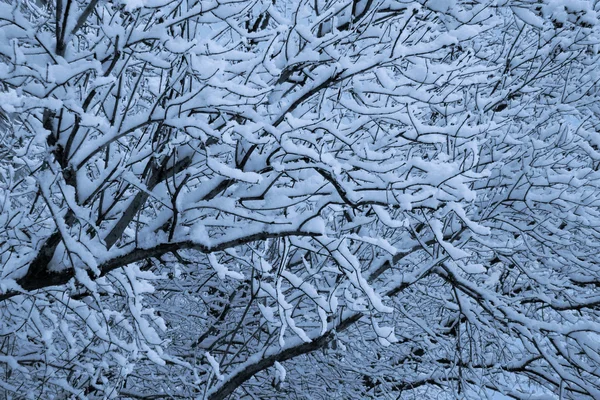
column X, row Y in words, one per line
column 45, row 278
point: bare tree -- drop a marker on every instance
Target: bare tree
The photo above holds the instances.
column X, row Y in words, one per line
column 299, row 199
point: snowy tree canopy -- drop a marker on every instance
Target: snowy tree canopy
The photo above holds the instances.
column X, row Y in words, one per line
column 299, row 199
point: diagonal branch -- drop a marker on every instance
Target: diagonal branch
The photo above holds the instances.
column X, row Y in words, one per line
column 268, row 357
